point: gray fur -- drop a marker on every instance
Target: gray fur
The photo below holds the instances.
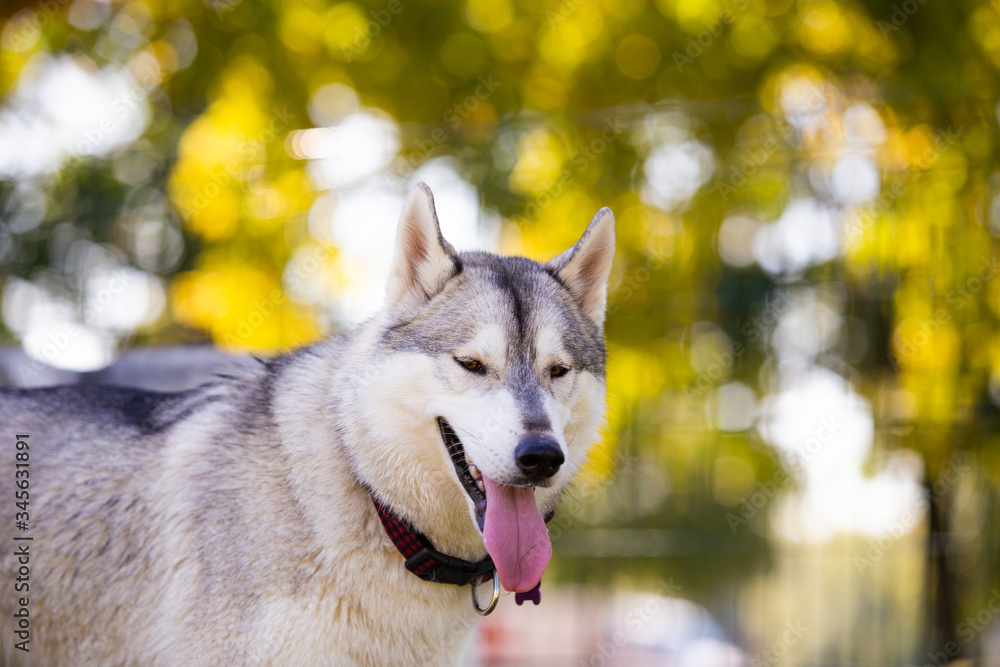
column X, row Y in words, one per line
column 517, row 288
column 167, row 368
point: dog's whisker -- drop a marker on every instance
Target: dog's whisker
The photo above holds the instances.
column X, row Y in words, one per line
column 465, row 432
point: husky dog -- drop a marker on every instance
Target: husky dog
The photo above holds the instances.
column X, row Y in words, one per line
column 265, row 519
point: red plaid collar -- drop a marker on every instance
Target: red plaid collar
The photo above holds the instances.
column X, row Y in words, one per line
column 422, row 559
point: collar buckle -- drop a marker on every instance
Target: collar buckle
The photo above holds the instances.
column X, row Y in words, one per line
column 431, row 565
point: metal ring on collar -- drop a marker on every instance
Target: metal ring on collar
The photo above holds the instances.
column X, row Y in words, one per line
column 496, row 596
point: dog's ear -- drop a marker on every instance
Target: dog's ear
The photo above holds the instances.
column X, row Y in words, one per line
column 584, row 268
column 423, row 261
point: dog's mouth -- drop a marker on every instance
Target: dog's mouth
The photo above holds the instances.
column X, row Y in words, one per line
column 513, row 527
column 468, row 473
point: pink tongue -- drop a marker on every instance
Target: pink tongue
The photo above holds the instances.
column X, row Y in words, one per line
column 515, row 535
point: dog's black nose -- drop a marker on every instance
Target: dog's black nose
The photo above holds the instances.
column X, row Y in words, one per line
column 538, row 457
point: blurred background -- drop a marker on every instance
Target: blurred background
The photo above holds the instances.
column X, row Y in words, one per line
column 801, row 463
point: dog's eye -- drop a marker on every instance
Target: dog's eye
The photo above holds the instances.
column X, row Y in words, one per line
column 472, row 365
column 558, row 371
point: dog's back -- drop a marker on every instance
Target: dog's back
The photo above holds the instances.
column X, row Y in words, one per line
column 95, row 517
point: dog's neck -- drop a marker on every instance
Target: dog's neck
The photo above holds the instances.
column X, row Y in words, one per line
column 343, row 518
column 324, row 439
column 422, row 559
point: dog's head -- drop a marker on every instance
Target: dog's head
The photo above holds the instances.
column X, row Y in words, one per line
column 496, row 386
